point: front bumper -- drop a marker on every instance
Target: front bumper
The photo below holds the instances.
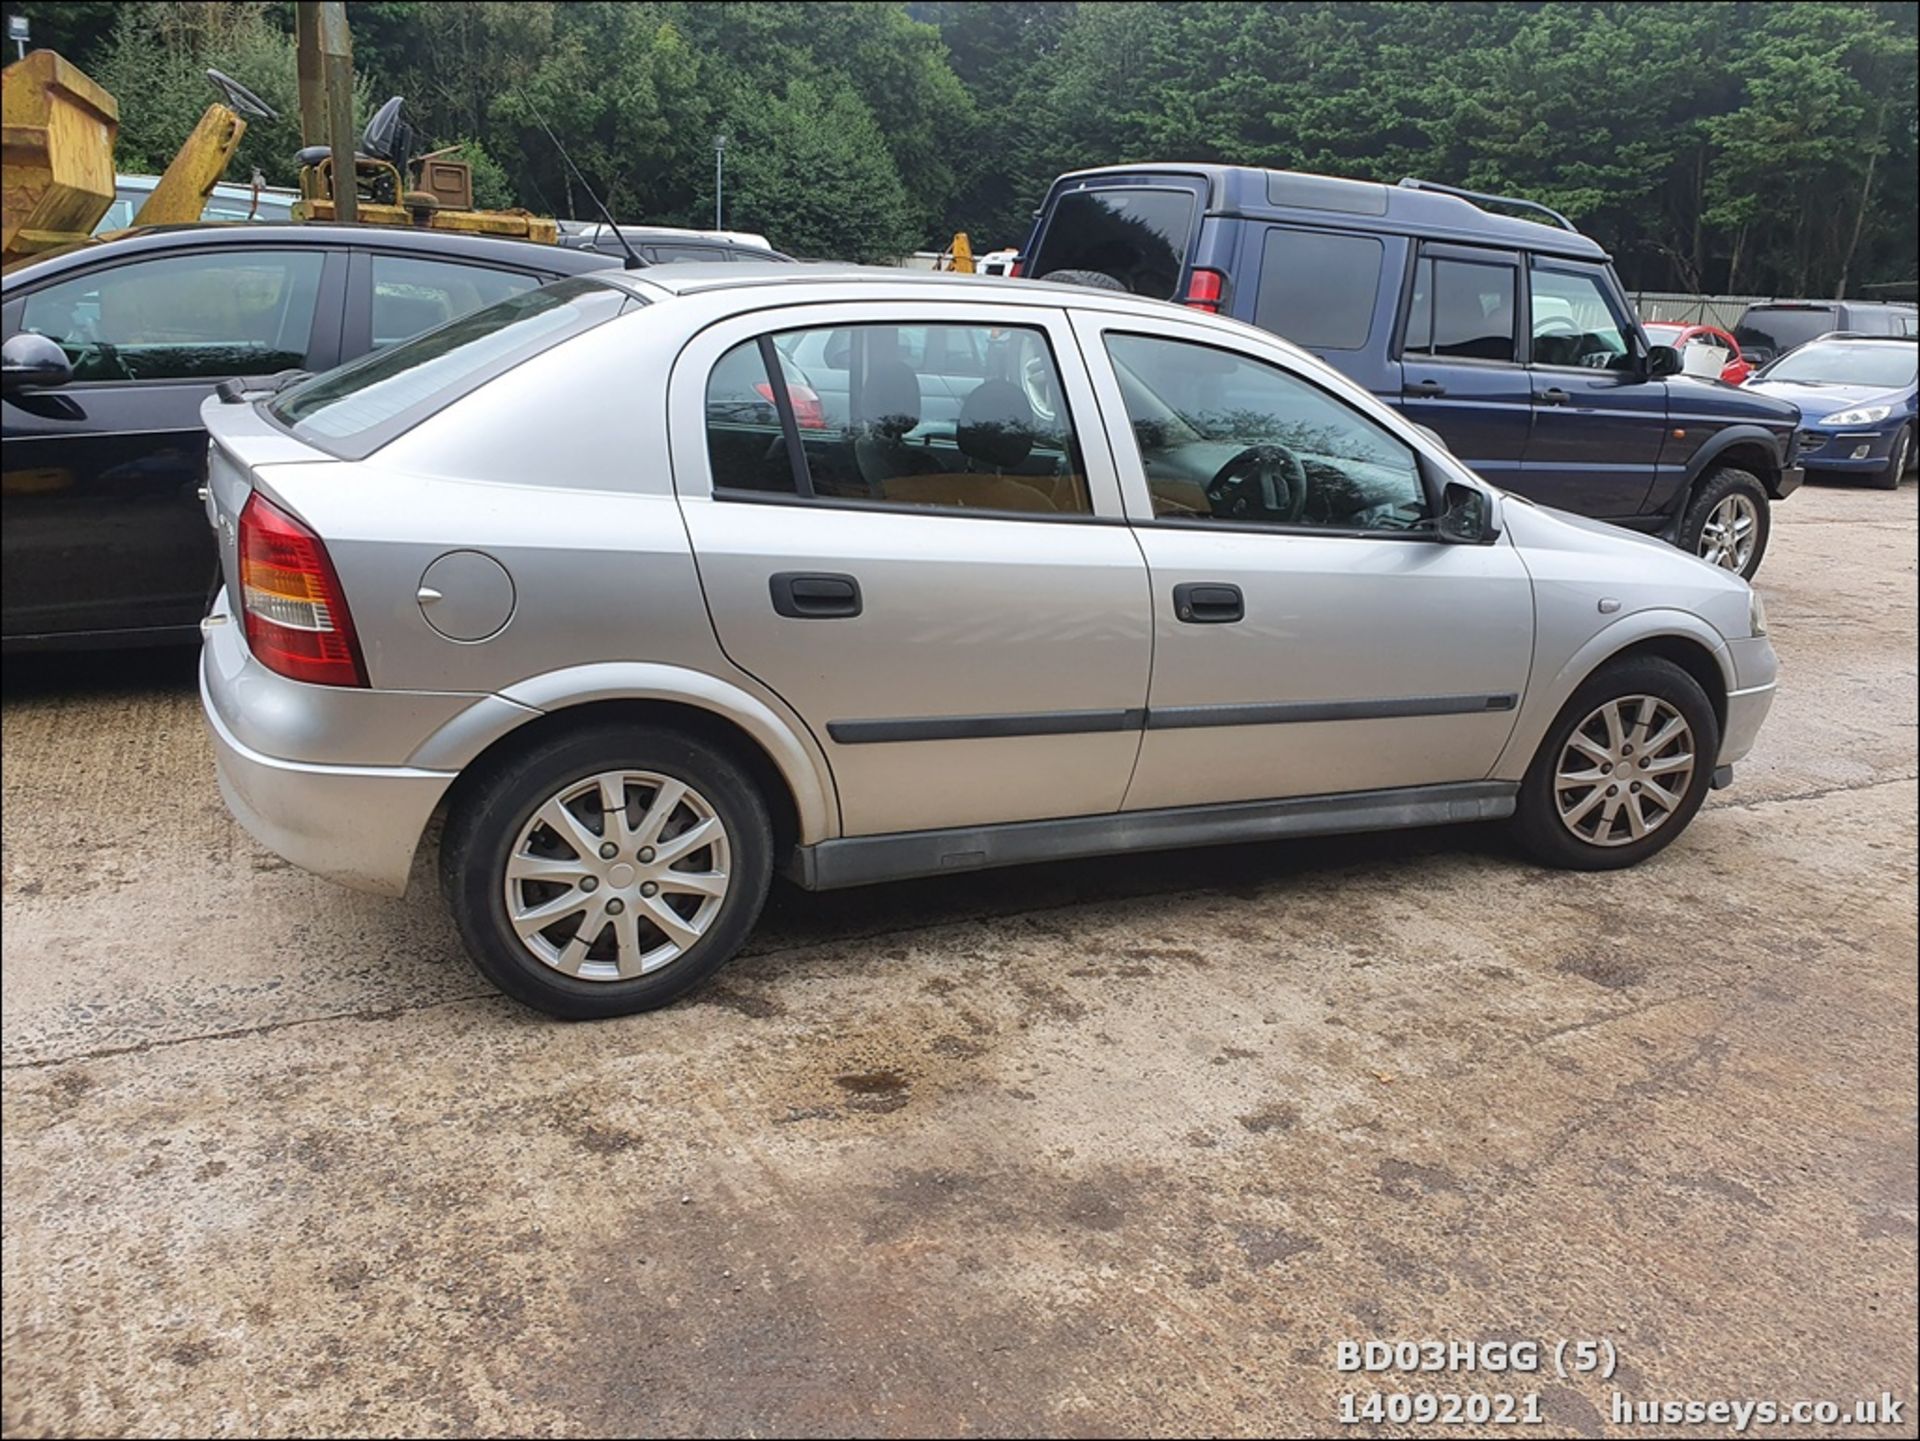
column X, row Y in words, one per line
column 1756, row 671
column 1835, row 449
column 353, row 824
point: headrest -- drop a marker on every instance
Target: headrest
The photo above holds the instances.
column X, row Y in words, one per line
column 889, row 400
column 996, row 425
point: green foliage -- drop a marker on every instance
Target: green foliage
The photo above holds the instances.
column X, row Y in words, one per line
column 1756, row 145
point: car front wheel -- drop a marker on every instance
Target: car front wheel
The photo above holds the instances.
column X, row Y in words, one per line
column 1889, row 479
column 1623, row 769
column 606, row 870
column 1728, row 521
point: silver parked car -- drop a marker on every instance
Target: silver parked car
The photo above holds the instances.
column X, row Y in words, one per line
column 594, row 573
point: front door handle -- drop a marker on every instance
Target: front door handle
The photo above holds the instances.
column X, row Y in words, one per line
column 1552, row 396
column 1208, row 602
column 1426, row 387
column 805, row 595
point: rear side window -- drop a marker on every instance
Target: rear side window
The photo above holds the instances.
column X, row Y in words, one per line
column 1317, row 289
column 876, row 424
column 1778, row 330
column 353, row 411
column 1136, row 235
column 412, row 295
column 203, row 316
column 1462, row 309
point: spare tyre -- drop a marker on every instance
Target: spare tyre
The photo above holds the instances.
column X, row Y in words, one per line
column 1092, row 279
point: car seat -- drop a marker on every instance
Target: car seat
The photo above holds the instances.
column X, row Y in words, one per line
column 885, row 409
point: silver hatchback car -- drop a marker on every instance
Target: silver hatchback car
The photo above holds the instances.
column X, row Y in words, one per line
column 1065, row 572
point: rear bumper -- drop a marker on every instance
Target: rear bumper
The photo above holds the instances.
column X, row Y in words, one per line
column 356, row 825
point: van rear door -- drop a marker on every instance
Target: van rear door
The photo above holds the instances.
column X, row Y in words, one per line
column 1138, row 229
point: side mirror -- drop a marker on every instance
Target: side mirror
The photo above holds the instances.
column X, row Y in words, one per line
column 1466, row 516
column 1663, row 360
column 31, row 361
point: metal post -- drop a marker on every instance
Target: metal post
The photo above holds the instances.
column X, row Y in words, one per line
column 336, row 55
column 719, row 175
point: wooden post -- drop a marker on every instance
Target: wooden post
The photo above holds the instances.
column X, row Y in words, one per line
column 336, row 55
column 313, row 91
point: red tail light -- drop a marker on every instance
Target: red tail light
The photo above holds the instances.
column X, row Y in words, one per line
column 807, row 411
column 296, row 613
column 1204, row 289
column 1013, row 269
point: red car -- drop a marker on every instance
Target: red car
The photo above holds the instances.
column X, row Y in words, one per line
column 1703, row 340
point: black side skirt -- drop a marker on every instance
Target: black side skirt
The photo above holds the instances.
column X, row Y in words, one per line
column 862, row 860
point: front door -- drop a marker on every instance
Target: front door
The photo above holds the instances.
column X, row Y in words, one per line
column 103, row 531
column 1311, row 635
column 946, row 596
column 1598, row 421
column 1460, row 370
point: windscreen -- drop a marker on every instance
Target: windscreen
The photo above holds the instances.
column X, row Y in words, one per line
column 1136, row 235
column 1849, row 362
column 352, row 411
column 1763, row 328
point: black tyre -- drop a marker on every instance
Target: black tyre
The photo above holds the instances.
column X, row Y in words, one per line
column 1092, row 279
column 607, row 870
column 1728, row 521
column 1622, row 770
column 1890, row 478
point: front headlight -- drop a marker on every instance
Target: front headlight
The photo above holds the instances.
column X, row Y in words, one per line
column 1864, row 415
column 1756, row 614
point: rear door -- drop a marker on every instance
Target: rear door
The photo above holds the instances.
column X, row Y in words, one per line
column 396, row 295
column 103, row 531
column 1137, row 229
column 1461, row 374
column 1599, row 423
column 953, row 605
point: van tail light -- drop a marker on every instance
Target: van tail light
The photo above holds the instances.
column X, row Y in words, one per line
column 296, row 613
column 1204, row 290
column 1014, row 268
column 807, row 411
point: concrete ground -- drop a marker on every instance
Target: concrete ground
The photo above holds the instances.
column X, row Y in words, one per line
column 1118, row 1146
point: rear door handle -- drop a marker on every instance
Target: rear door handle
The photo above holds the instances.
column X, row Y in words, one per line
column 805, row 595
column 1426, row 387
column 1208, row 602
column 1553, row 396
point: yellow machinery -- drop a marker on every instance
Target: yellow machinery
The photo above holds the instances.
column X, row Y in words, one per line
column 59, row 133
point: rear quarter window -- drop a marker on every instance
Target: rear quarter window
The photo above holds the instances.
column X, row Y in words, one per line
column 1318, row 288
column 1137, row 235
column 354, row 410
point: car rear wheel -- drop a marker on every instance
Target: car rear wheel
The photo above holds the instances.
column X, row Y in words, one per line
column 1623, row 769
column 1889, row 479
column 1728, row 521
column 608, row 870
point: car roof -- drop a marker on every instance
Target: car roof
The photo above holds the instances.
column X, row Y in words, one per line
column 451, row 244
column 1245, row 191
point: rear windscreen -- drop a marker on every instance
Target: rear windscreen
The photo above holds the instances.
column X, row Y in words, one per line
column 1781, row 330
column 1136, row 235
column 354, row 410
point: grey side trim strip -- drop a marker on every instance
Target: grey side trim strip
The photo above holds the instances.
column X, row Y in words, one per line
column 1086, row 722
column 862, row 860
column 978, row 727
column 1163, row 718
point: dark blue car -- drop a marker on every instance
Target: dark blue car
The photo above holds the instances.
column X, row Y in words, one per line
column 1511, row 338
column 1856, row 395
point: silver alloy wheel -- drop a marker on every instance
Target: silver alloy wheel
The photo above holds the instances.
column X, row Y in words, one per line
column 1731, row 529
column 1624, row 771
column 1903, row 445
column 617, row 875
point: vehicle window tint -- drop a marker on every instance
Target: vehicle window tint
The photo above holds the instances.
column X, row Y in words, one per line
column 665, row 254
column 1318, row 289
column 1227, row 438
column 1462, row 309
column 877, row 422
column 354, row 410
column 217, row 313
column 1137, row 236
column 1573, row 323
column 1775, row 331
column 411, row 295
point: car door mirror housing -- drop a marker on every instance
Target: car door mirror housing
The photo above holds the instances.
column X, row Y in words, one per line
column 31, row 361
column 1466, row 515
column 1663, row 360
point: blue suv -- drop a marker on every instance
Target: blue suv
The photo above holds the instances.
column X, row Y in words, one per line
column 1510, row 338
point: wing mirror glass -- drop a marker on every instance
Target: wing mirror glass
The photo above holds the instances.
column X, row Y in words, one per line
column 1466, row 515
column 1663, row 360
column 31, row 361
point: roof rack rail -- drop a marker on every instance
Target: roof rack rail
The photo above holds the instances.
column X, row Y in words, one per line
column 1409, row 182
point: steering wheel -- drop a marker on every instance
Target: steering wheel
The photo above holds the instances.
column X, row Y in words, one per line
column 1262, row 482
column 241, row 98
column 1555, row 325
